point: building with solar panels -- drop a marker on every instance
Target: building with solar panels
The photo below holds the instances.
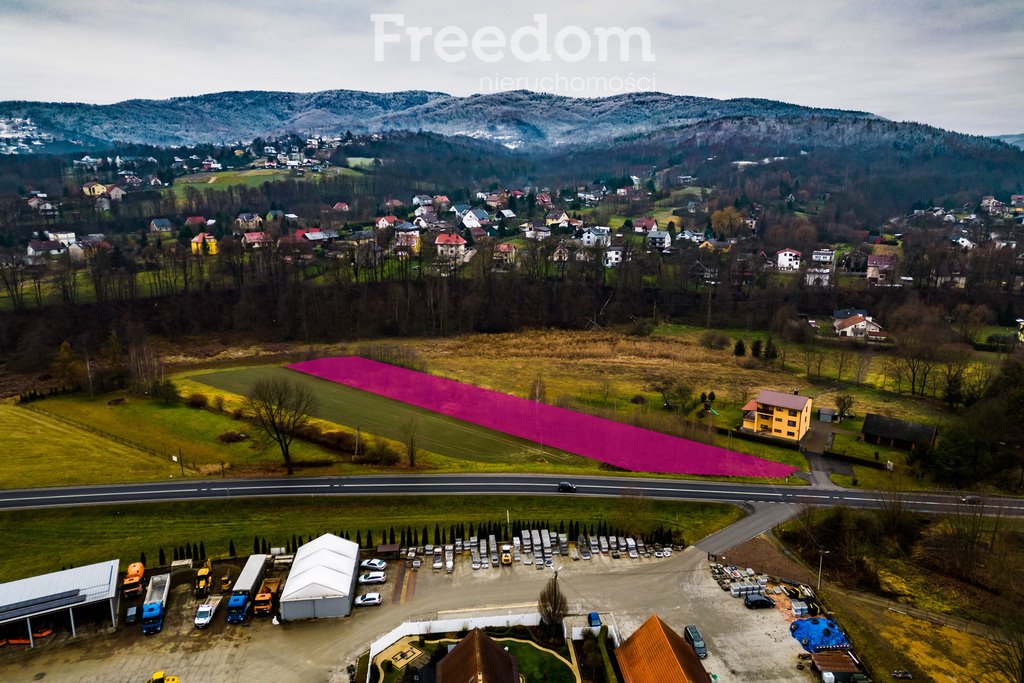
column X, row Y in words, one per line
column 39, row 600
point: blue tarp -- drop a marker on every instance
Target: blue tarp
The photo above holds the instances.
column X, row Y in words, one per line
column 818, row 634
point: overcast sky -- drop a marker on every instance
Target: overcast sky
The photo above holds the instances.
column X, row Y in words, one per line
column 957, row 64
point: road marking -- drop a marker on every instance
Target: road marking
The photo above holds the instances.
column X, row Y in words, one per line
column 96, row 495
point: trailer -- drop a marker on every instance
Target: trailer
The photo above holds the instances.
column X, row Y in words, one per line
column 155, row 606
column 244, row 589
column 264, row 602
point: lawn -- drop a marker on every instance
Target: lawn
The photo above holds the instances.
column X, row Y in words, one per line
column 537, row 664
column 43, row 540
column 247, row 177
column 40, row 450
column 608, row 441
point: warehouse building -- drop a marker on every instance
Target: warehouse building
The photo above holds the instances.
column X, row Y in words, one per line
column 41, row 599
column 321, row 583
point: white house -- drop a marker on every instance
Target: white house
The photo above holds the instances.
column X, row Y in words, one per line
column 597, row 236
column 612, row 257
column 475, row 218
column 824, row 256
column 65, row 238
column 963, row 243
column 450, row 246
column 787, row 259
column 818, row 277
column 691, row 236
column 858, row 326
column 659, row 239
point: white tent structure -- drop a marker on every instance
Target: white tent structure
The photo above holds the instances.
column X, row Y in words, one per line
column 322, row 580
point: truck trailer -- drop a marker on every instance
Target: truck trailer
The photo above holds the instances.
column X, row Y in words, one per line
column 245, row 587
column 155, row 606
column 263, row 605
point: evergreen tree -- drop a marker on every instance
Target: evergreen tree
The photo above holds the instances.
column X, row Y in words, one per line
column 770, row 350
column 202, row 551
column 163, row 558
column 142, row 557
column 740, row 349
column 755, row 348
column 231, row 548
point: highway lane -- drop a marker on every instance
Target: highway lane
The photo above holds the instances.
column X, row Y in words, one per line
column 481, row 484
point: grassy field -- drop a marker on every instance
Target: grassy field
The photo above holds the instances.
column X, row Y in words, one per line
column 44, row 540
column 252, row 177
column 40, row 450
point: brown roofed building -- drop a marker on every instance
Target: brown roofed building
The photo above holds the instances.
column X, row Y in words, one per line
column 657, row 654
column 478, row 659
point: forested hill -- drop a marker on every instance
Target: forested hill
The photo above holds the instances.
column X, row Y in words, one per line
column 516, row 119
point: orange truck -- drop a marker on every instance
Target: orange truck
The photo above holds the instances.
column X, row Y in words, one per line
column 132, row 586
column 264, row 603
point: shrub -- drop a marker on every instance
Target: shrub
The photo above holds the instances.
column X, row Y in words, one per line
column 232, row 437
column 197, row 400
column 218, row 403
column 714, row 340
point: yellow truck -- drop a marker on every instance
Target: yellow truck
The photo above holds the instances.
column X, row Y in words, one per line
column 203, row 581
column 264, row 603
column 161, row 677
column 132, row 585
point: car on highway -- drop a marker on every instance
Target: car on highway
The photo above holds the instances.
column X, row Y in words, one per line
column 375, row 565
column 373, row 577
column 971, row 500
column 566, row 487
column 368, row 599
column 753, row 601
column 692, row 635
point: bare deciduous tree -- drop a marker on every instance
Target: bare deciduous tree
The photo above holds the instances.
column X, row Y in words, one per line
column 1004, row 657
column 410, row 432
column 552, row 604
column 843, row 404
column 281, row 408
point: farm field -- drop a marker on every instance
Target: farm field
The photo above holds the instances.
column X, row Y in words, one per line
column 42, row 540
column 40, row 450
column 245, row 177
column 610, row 442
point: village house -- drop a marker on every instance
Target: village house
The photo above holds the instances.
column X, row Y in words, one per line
column 94, row 189
column 690, row 236
column 249, row 221
column 407, row 243
column 195, row 222
column 64, row 237
column 645, row 224
column 40, row 248
column 255, row 240
column 659, row 239
column 450, row 246
column 160, row 225
column 657, row 654
column 597, row 236
column 612, row 257
column 341, row 207
column 824, row 257
column 475, row 218
column 778, row 414
column 556, row 218
column 204, row 243
column 859, row 326
column 505, row 252
column 895, row 433
column 386, row 222
column 787, row 259
column 881, row 269
column 818, row 277
column 115, row 193
column 422, row 200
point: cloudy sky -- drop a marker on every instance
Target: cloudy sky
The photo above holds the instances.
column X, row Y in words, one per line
column 951, row 63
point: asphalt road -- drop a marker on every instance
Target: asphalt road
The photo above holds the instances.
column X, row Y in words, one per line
column 484, row 484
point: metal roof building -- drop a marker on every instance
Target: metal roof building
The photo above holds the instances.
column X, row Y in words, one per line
column 322, row 580
column 37, row 596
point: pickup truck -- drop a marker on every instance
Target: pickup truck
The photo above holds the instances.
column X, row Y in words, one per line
column 206, row 611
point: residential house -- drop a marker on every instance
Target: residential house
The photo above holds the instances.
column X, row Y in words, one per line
column 824, row 257
column 459, row 209
column 475, row 218
column 707, row 274
column 275, row 215
column 506, row 214
column 255, row 240
column 881, row 268
column 204, row 243
column 450, row 246
column 544, row 200
column 477, row 233
column 963, row 242
column 39, row 248
column 115, row 193
column 818, row 277
column 477, row 659
column 951, row 273
column 195, row 222
column 94, row 189
column 778, row 414
column 422, row 200
column 657, row 654
column 859, row 326
column 340, row 207
column 441, row 200
column 556, row 218
column 560, row 254
column 612, row 257
column 64, row 237
column 407, row 243
column 787, row 259
column 645, row 224
column 160, row 225
column 901, row 434
column 597, row 236
column 505, row 252
column 249, row 221
column 659, row 239
column 426, row 209
column 394, row 204
column 387, row 222
column 713, row 245
column 691, row 236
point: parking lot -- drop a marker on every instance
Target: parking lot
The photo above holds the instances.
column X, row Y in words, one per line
column 743, row 644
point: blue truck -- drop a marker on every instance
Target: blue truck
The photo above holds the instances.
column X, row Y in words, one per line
column 244, row 590
column 155, row 606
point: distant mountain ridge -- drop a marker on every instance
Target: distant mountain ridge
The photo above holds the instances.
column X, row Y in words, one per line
column 1017, row 139
column 515, row 119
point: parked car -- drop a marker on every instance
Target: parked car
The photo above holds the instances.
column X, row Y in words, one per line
column 753, row 601
column 566, row 487
column 696, row 640
column 373, row 577
column 375, row 565
column 368, row 599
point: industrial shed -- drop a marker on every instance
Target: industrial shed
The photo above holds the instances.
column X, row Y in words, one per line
column 59, row 593
column 321, row 583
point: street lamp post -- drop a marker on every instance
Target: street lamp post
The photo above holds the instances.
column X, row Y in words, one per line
column 821, row 560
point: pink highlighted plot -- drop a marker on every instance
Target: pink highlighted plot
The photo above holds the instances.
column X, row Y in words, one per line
column 632, row 448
